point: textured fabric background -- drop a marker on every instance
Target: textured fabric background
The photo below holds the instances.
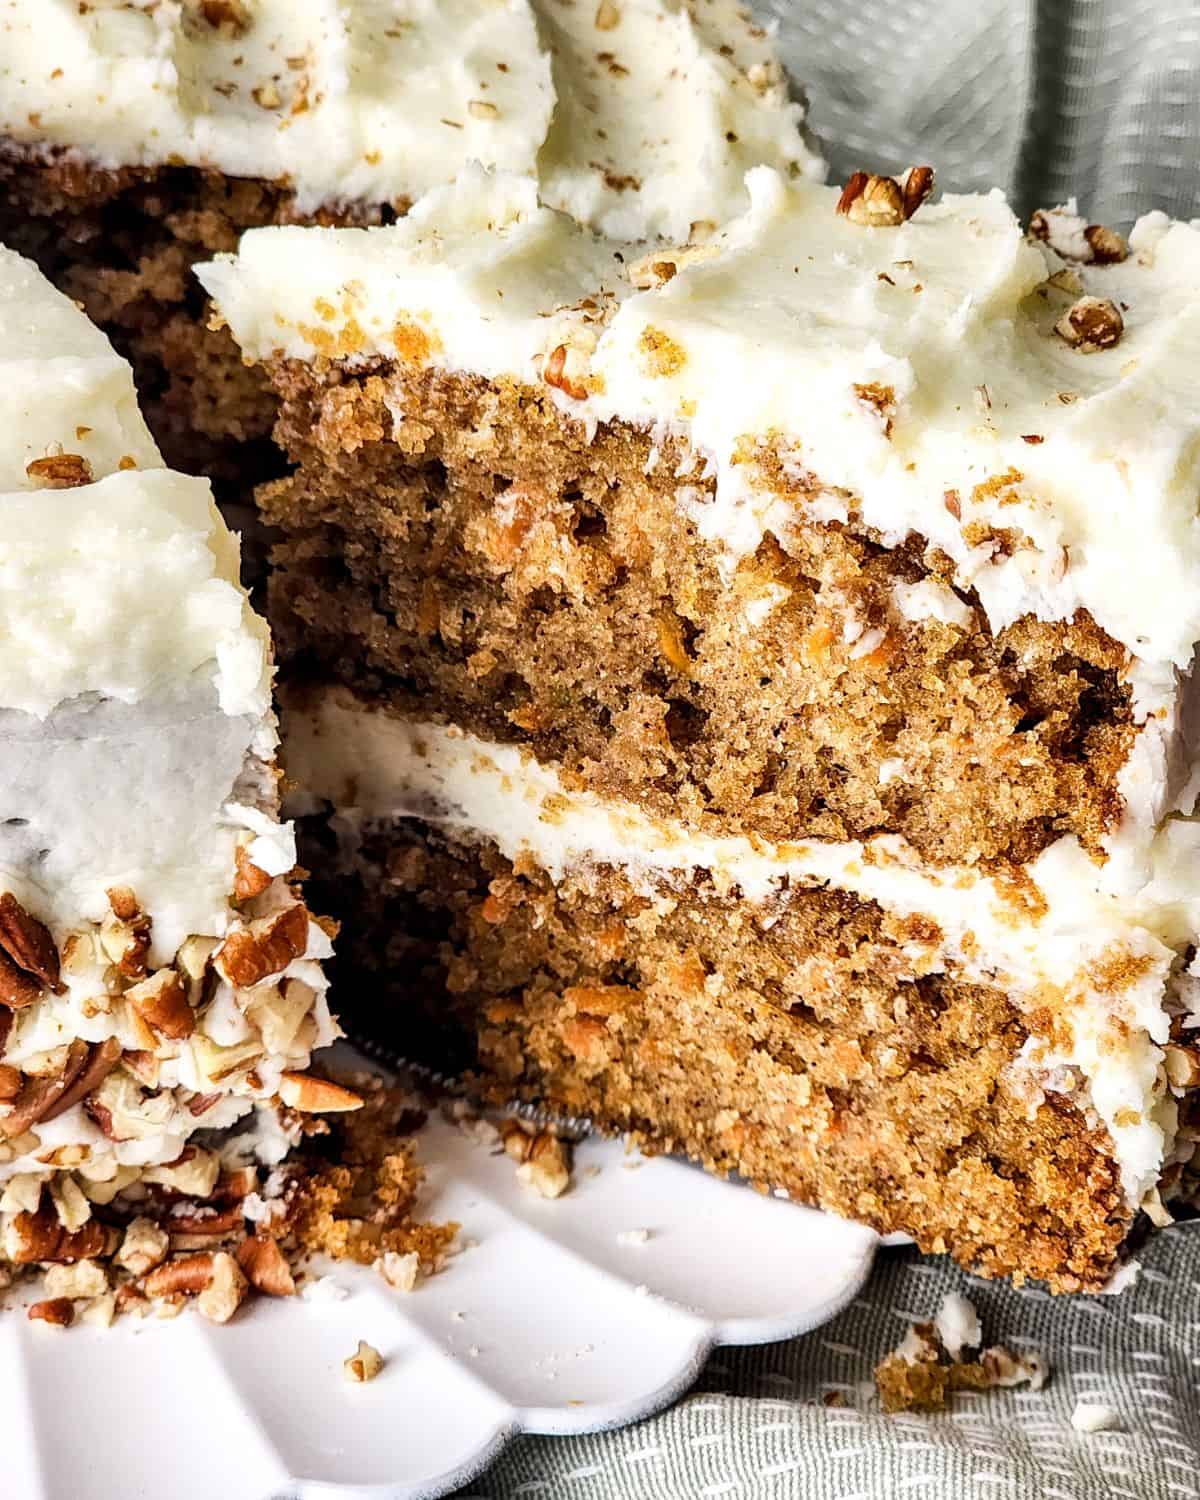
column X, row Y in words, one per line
column 757, row 1426
column 1101, row 99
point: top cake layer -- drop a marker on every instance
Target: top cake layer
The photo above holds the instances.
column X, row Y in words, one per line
column 921, row 376
column 640, row 116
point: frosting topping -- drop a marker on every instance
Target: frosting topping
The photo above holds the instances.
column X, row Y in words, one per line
column 640, row 115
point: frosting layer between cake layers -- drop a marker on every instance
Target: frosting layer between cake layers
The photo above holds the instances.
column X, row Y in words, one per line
column 139, row 831
column 640, row 116
column 1058, row 932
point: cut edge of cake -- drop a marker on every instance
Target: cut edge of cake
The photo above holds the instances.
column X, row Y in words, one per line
column 814, row 370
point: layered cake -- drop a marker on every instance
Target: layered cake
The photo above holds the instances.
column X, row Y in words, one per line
column 137, row 136
column 746, row 686
column 161, row 981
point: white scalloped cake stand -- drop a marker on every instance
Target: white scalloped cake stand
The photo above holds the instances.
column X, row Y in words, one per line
column 554, row 1319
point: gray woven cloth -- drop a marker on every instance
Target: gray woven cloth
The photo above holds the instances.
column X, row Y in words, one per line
column 758, row 1427
column 1100, row 99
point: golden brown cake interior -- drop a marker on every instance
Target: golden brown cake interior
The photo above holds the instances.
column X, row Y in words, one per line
column 799, row 1045
column 483, row 561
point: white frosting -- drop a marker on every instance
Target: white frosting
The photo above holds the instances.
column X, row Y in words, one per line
column 773, row 333
column 135, row 683
column 136, row 741
column 642, row 115
column 370, row 765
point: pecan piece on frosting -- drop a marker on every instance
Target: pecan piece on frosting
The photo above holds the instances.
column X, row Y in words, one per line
column 249, row 880
column 17, row 989
column 125, row 934
column 253, row 953
column 59, row 471
column 1091, row 324
column 162, row 1003
column 102, row 1059
column 881, row 202
column 28, row 943
column 557, row 372
column 41, row 1094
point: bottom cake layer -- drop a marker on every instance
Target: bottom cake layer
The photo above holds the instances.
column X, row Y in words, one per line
column 798, row 1044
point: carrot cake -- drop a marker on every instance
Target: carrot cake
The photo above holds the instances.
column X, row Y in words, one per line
column 138, row 136
column 161, row 981
column 746, row 686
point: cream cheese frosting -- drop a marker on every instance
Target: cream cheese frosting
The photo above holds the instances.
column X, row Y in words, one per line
column 373, row 766
column 640, row 115
column 794, row 324
column 137, row 741
column 135, row 685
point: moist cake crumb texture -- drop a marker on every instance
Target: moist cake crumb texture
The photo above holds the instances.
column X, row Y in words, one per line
column 736, row 642
column 709, row 664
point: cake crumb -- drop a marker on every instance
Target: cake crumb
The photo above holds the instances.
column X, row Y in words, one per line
column 324, row 1289
column 364, row 1364
column 399, row 1271
column 1093, row 1416
column 927, row 1364
column 543, row 1161
column 632, row 1236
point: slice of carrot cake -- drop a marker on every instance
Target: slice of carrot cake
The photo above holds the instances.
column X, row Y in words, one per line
column 752, row 681
column 138, row 136
column 161, row 983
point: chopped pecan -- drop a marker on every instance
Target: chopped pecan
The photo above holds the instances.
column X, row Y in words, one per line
column 28, row 943
column 145, row 1246
column 10, row 1083
column 364, row 1364
column 1091, row 324
column 125, row 935
column 249, row 880
column 102, row 1059
column 917, row 187
column 265, row 1267
column 17, row 989
column 59, row 1312
column 555, row 373
column 200, row 1104
column 162, row 1002
column 312, row 1095
column 233, row 1186
column 879, row 202
column 186, row 1275
column 231, row 17
column 123, row 903
column 1108, row 247
column 41, row 1094
column 33, row 1238
column 144, row 1066
column 226, row 1290
column 253, row 953
column 208, row 1224
column 60, row 471
column 872, row 200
